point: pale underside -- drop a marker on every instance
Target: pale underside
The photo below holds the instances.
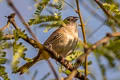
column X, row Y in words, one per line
column 63, row 40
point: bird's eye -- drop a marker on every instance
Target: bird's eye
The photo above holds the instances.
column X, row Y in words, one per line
column 69, row 19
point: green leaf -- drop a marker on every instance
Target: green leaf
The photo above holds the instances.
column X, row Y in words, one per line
column 83, row 71
column 57, row 5
column 3, row 74
column 74, row 55
column 111, row 51
column 18, row 50
column 67, row 71
column 1, row 35
column 42, row 19
column 113, row 9
column 18, row 33
column 40, row 6
column 3, row 60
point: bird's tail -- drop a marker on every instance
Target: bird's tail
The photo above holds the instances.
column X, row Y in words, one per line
column 37, row 58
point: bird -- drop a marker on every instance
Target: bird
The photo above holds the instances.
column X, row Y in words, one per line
column 63, row 40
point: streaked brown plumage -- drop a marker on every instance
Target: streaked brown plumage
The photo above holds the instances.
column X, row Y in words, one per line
column 63, row 41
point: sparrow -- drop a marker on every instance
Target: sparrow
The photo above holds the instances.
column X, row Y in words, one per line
column 63, row 40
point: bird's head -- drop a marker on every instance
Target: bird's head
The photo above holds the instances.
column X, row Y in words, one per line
column 71, row 19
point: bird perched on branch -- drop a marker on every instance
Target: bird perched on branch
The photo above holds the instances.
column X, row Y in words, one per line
column 63, row 41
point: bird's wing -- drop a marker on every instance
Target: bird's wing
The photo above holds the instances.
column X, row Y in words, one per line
column 54, row 38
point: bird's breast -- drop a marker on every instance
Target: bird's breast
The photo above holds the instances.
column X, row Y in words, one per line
column 70, row 43
column 71, row 39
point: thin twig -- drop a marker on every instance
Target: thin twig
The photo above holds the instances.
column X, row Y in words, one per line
column 94, row 46
column 81, row 59
column 69, row 4
column 54, row 71
column 34, row 75
column 11, row 19
column 106, row 12
column 83, row 33
column 87, row 8
column 74, row 71
column 45, row 76
column 10, row 3
column 4, row 27
column 50, row 51
column 8, row 37
column 71, row 76
column 58, row 58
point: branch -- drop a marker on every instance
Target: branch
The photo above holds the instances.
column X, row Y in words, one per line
column 84, row 37
column 106, row 12
column 11, row 20
column 88, row 50
column 8, row 37
column 94, row 46
column 4, row 27
column 10, row 3
column 87, row 8
column 42, row 48
column 48, row 50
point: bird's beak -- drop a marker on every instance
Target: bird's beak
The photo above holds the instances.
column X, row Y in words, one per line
column 76, row 18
